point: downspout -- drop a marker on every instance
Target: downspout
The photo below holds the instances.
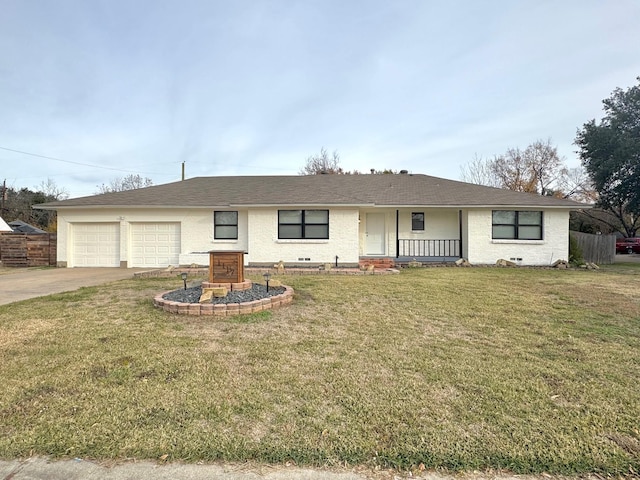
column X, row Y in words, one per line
column 397, row 233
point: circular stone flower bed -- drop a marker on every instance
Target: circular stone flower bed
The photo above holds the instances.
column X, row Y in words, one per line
column 250, row 300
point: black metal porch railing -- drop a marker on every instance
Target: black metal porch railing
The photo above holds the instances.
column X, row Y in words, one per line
column 428, row 248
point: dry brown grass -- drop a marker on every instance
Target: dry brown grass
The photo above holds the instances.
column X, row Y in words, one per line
column 527, row 370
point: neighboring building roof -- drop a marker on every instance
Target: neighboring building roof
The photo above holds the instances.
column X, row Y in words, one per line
column 21, row 227
column 4, row 226
column 328, row 190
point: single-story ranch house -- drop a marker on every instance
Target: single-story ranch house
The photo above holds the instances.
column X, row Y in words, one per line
column 312, row 220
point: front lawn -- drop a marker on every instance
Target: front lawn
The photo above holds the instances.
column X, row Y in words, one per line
column 460, row 368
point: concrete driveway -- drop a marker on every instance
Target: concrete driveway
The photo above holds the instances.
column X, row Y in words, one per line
column 22, row 284
column 628, row 258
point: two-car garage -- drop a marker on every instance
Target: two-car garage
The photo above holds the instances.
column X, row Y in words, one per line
column 146, row 245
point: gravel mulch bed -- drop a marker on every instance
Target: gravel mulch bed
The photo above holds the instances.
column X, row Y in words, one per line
column 192, row 294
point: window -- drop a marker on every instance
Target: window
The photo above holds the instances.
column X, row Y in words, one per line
column 417, row 220
column 516, row 225
column 225, row 225
column 303, row 224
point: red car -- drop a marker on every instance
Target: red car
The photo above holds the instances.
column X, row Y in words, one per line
column 628, row 245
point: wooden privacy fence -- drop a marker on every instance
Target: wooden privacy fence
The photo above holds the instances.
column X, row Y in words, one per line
column 28, row 250
column 600, row 249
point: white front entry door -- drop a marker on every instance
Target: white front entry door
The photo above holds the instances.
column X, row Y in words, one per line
column 375, row 234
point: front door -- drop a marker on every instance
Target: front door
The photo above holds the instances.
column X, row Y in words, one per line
column 375, row 234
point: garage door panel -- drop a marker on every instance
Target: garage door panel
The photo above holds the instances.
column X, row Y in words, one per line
column 155, row 244
column 96, row 245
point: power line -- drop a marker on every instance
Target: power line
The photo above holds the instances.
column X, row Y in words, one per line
column 77, row 163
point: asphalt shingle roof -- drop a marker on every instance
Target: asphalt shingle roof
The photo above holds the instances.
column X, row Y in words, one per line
column 302, row 190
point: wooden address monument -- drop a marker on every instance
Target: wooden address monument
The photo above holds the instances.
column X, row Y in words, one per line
column 226, row 266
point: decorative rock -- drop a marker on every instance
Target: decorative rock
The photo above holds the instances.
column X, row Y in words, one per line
column 463, row 262
column 219, row 292
column 414, row 264
column 560, row 264
column 505, row 263
column 280, row 267
column 207, row 295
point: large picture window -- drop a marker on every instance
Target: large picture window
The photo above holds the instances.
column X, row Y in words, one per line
column 516, row 225
column 303, row 224
column 225, row 225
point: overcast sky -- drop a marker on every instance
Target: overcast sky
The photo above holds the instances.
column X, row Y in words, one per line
column 118, row 87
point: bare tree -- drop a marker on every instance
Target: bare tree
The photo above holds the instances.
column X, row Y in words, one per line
column 547, row 167
column 513, row 172
column 322, row 163
column 478, row 171
column 51, row 190
column 130, row 182
column 536, row 169
column 577, row 185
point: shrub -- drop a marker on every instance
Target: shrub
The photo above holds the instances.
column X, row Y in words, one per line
column 575, row 252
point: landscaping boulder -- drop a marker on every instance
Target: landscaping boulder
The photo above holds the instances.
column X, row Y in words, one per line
column 462, row 262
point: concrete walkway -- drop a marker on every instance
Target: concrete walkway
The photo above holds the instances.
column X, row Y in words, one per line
column 23, row 284
column 40, row 469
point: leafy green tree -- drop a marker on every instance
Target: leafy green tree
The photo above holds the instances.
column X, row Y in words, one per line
column 610, row 152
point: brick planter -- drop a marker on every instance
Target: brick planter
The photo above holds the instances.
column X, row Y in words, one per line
column 246, row 285
column 224, row 309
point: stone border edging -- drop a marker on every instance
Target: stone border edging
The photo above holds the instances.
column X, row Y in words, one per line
column 204, row 272
column 224, row 309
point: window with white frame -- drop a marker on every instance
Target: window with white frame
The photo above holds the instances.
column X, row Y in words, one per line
column 225, row 225
column 516, row 225
column 417, row 221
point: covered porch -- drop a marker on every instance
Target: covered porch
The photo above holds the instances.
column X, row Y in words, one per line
column 403, row 235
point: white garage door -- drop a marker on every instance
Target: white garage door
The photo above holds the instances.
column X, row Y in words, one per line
column 155, row 244
column 96, row 245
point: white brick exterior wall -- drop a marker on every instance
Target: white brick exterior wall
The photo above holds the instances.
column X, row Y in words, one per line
column 196, row 231
column 479, row 247
column 258, row 235
column 266, row 248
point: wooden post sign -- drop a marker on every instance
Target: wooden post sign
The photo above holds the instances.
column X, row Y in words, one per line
column 226, row 266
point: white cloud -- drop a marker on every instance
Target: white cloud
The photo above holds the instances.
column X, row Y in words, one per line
column 255, row 88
